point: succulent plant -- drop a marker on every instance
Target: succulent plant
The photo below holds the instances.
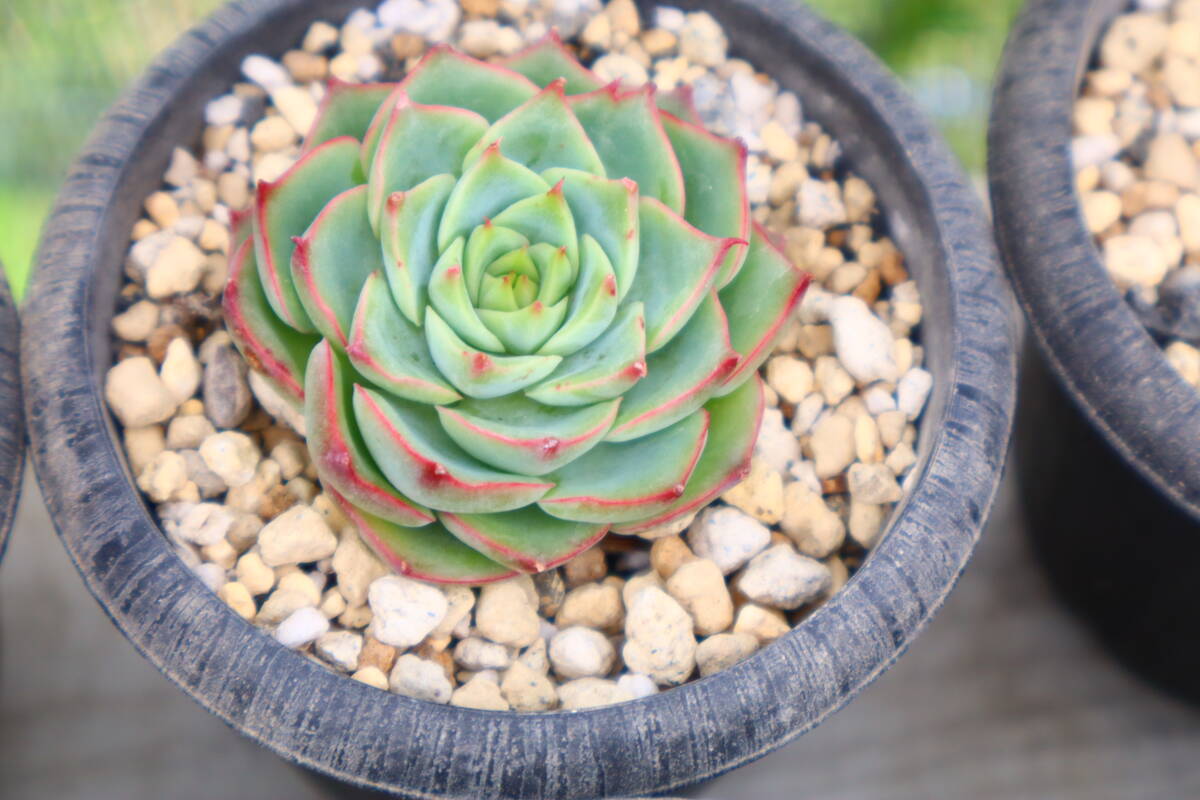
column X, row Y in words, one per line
column 518, row 308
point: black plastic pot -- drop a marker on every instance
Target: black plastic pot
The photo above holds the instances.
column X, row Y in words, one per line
column 1108, row 432
column 366, row 737
column 12, row 420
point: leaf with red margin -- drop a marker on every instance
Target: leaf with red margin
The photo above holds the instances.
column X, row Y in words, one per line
column 758, row 302
column 519, row 435
column 714, row 172
column 627, row 132
column 488, row 187
column 677, row 265
column 476, row 373
column 421, row 460
column 628, row 481
column 283, row 210
column 681, row 377
column 447, row 77
column 409, row 242
column 418, row 142
column 333, row 260
column 272, row 349
column 733, row 428
column 527, row 539
column 339, row 453
column 606, row 210
column 680, row 102
column 547, row 60
column 430, row 553
column 346, row 110
column 541, row 134
column 390, row 352
column 606, row 368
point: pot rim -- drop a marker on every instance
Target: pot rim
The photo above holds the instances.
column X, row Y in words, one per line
column 12, row 417
column 384, row 741
column 1098, row 350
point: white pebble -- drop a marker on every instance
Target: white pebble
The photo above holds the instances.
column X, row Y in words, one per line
column 782, row 578
column 405, row 610
column 580, row 652
column 864, row 342
column 728, row 537
column 424, row 680
column 305, row 625
column 297, row 536
column 913, row 391
column 266, row 73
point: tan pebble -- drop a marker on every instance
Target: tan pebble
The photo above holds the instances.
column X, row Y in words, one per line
column 700, row 588
column 760, row 495
column 832, row 445
column 407, row 45
column 1186, row 361
column 271, row 134
column 481, row 694
column 723, row 651
column 791, row 377
column 237, row 597
column 658, row 41
column 233, row 190
column 332, row 603
column 142, row 229
column 779, row 145
column 901, row 459
column 305, row 67
column 221, row 553
column 142, row 445
column 163, row 209
column 1093, row 116
column 764, row 624
column 176, row 270
column 1109, row 82
column 137, row 322
column 371, row 676
column 586, row 567
column 815, row 529
column 1135, row 261
column 1133, row 42
column 593, row 605
column 668, row 553
column 527, row 690
column 506, row 612
column 591, row 693
column 1182, row 77
column 356, row 616
column 1170, row 159
column 866, row 522
column 280, row 605
column 377, row 654
column 302, row 584
column 1101, row 210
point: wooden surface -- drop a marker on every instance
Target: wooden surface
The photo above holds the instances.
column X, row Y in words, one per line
column 1002, row 698
column 348, row 730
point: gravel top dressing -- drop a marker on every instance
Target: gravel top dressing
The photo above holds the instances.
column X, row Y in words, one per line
column 219, row 455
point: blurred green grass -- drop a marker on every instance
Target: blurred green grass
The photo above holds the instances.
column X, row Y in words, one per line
column 62, row 62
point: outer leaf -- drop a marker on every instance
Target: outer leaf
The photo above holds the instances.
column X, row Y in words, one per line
column 448, row 294
column 430, row 553
column 479, row 374
column 487, row 243
column 332, row 262
column 409, row 239
column 545, row 219
column 417, row 143
column 605, row 369
column 525, row 329
column 338, row 451
column 527, row 539
column 547, row 60
column 714, row 172
column 593, row 306
column 628, row 134
column 346, row 110
column 606, row 210
column 629, row 481
column 519, row 435
column 487, row 187
column 758, row 302
column 677, row 265
column 446, row 77
column 542, row 133
column 681, row 377
column 733, row 429
column 391, row 352
column 273, row 350
column 418, row 457
column 284, row 209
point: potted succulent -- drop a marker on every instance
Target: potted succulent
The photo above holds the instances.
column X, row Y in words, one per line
column 508, row 305
column 12, row 425
column 1111, row 407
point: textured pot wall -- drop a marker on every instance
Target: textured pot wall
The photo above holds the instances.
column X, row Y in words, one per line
column 358, row 734
column 1108, row 432
column 12, row 418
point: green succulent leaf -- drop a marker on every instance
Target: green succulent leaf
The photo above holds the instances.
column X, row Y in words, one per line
column 733, row 428
column 409, row 240
column 547, row 60
column 346, row 110
column 627, row 132
column 527, row 539
column 284, row 209
column 391, row 352
column 714, row 172
column 417, row 143
column 676, row 270
column 448, row 294
column 681, row 377
column 430, row 553
column 479, row 374
column 273, row 349
column 541, row 134
column 758, row 302
column 544, row 218
column 527, row 328
column 339, row 453
column 486, row 244
column 608, row 211
column 332, row 261
column 489, row 186
column 421, row 460
column 593, row 307
column 605, row 369
column 517, row 434
column 553, row 270
column 449, row 78
column 631, row 480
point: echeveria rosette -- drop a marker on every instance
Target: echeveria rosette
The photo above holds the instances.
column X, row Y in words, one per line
column 518, row 308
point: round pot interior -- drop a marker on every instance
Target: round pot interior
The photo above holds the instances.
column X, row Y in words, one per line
column 390, row 742
column 1092, row 341
column 12, row 417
